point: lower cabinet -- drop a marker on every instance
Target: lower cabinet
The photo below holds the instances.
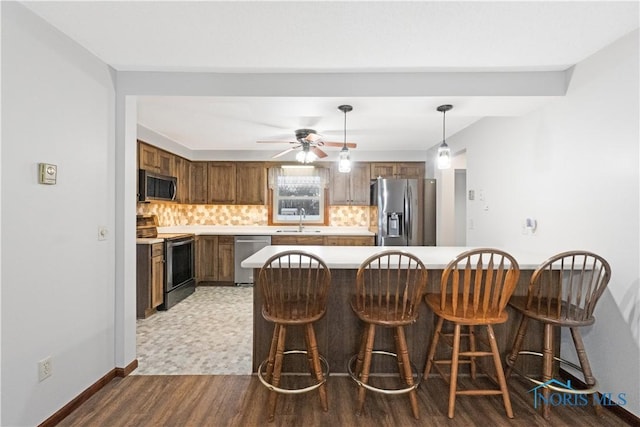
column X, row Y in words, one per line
column 149, row 278
column 323, row 240
column 214, row 259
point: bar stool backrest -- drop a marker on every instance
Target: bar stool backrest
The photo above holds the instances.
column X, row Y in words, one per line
column 477, row 284
column 295, row 286
column 567, row 286
column 390, row 286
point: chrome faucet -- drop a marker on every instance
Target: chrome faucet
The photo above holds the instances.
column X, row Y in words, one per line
column 303, row 214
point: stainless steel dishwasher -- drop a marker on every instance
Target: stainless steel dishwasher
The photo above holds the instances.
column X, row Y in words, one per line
column 245, row 246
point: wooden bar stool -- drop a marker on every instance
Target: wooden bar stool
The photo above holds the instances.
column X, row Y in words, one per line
column 389, row 289
column 295, row 287
column 563, row 292
column 474, row 290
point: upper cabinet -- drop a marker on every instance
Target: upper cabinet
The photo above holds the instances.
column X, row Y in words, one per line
column 221, row 183
column 154, row 159
column 398, row 170
column 350, row 188
column 182, row 168
column 198, row 182
column 251, row 183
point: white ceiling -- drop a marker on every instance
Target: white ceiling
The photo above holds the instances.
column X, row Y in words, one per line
column 316, row 36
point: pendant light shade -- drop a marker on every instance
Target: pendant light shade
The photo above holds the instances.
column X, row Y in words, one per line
column 444, row 152
column 344, row 163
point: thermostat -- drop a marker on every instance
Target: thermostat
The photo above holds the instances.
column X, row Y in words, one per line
column 48, row 173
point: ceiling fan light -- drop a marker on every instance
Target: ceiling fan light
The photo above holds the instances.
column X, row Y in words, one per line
column 344, row 163
column 444, row 156
column 306, row 156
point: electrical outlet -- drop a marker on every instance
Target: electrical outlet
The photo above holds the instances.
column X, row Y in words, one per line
column 44, row 369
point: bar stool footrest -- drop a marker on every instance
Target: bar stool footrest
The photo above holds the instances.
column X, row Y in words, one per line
column 325, row 375
column 378, row 389
column 592, row 389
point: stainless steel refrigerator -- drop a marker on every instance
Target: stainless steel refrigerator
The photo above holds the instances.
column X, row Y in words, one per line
column 405, row 211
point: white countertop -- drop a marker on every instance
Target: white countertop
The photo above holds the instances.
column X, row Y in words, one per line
column 256, row 230
column 350, row 257
column 249, row 230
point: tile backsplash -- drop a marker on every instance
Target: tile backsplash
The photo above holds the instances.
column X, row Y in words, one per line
column 171, row 214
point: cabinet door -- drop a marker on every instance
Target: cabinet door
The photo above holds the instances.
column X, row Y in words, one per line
column 251, row 183
column 183, row 173
column 384, row 170
column 360, row 183
column 198, row 182
column 225, row 259
column 221, row 177
column 157, row 280
column 148, row 157
column 340, row 183
column 206, row 258
column 165, row 163
column 413, row 170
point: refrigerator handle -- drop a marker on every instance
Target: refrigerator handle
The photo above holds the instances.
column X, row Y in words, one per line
column 408, row 213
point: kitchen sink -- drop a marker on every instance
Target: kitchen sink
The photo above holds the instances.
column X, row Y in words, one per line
column 297, row 231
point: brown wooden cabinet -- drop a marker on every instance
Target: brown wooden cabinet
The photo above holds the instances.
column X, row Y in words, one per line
column 214, row 259
column 182, row 169
column 198, row 182
column 350, row 188
column 349, row 240
column 149, row 278
column 221, row 183
column 251, row 183
column 154, row 159
column 323, row 240
column 397, row 170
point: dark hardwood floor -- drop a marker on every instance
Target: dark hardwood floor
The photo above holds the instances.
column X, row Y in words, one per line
column 199, row 400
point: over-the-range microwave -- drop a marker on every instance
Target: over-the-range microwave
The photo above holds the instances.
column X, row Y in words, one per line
column 153, row 186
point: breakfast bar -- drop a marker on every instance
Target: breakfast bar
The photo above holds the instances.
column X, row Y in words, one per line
column 339, row 330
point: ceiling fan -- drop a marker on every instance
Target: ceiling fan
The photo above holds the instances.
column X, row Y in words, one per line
column 309, row 141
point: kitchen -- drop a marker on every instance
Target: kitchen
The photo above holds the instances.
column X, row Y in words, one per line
column 553, row 171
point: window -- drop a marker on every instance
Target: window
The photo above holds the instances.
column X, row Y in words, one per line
column 295, row 189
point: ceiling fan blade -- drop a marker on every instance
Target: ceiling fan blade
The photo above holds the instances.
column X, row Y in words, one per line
column 340, row 144
column 276, row 141
column 318, row 152
column 282, row 153
column 313, row 137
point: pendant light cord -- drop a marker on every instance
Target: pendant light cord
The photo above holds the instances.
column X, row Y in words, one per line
column 345, row 130
column 444, row 118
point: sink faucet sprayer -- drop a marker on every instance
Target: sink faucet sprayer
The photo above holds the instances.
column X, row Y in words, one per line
column 303, row 214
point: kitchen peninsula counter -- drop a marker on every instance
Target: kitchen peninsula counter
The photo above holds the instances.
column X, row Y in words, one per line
column 338, row 332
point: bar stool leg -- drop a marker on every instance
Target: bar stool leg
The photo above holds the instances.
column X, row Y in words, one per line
column 361, row 351
column 403, row 355
column 272, row 352
column 589, row 379
column 517, row 345
column 472, row 347
column 453, row 382
column 366, row 366
column 277, row 369
column 547, row 367
column 432, row 349
column 312, row 348
column 499, row 372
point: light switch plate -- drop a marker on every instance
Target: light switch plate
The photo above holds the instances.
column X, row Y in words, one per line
column 47, row 173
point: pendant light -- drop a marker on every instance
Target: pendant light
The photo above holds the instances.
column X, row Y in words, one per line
column 344, row 163
column 444, row 152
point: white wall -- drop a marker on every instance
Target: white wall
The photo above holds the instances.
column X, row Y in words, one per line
column 57, row 278
column 574, row 166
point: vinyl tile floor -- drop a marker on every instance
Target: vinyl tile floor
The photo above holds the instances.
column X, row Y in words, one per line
column 208, row 333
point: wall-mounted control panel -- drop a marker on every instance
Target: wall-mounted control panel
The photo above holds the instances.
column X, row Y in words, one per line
column 47, row 173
